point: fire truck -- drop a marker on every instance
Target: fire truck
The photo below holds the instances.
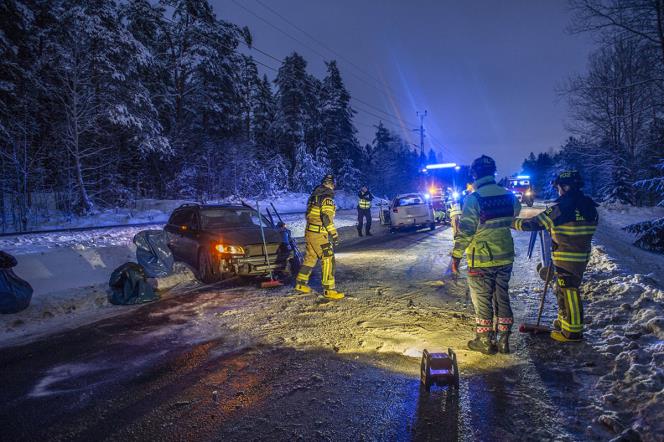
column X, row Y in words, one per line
column 521, row 187
column 444, row 183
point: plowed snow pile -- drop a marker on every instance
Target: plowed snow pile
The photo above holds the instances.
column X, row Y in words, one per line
column 625, row 324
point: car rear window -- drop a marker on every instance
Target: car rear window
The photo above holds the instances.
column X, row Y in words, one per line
column 410, row 200
column 221, row 218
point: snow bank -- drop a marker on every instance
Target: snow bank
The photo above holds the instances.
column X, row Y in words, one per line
column 158, row 211
column 625, row 323
column 64, row 304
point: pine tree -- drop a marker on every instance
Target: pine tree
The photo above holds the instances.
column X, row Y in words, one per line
column 338, row 131
column 294, row 93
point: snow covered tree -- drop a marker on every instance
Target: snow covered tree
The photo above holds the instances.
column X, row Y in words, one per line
column 307, row 172
column 650, row 234
column 336, row 115
column 295, row 93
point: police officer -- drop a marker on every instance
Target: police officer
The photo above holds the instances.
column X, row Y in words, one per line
column 572, row 221
column 485, row 237
column 320, row 237
column 364, row 210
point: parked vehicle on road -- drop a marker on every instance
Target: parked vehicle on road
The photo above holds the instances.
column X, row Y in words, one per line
column 412, row 210
column 521, row 187
column 220, row 241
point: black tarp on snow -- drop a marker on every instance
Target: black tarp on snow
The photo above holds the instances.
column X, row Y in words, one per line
column 153, row 254
column 129, row 286
column 15, row 293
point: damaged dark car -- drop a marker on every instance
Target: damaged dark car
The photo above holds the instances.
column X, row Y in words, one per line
column 222, row 241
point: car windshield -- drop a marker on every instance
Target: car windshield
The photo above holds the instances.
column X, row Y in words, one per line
column 409, row 200
column 212, row 219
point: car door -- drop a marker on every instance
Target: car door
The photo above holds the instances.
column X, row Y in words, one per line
column 176, row 229
column 190, row 239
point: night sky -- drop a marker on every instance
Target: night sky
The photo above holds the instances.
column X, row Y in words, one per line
column 486, row 71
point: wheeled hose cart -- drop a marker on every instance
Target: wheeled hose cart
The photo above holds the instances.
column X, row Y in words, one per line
column 439, row 369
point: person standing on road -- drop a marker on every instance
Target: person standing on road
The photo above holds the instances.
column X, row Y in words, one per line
column 364, row 210
column 321, row 237
column 485, row 237
column 572, row 221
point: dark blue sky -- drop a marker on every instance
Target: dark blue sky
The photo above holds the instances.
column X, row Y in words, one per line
column 486, row 71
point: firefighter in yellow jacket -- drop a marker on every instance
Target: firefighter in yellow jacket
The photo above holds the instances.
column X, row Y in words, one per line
column 572, row 222
column 320, row 236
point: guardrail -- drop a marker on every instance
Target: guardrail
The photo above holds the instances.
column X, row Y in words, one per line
column 82, row 229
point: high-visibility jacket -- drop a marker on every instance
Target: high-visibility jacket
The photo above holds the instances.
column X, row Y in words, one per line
column 455, row 209
column 484, row 225
column 572, row 222
column 364, row 201
column 321, row 210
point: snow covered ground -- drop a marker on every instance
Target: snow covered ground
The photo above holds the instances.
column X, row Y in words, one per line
column 69, row 273
column 613, row 383
column 158, row 211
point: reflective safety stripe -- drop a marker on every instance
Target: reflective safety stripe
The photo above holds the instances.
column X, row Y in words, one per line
column 545, row 221
column 574, row 230
column 574, row 325
column 571, row 256
column 498, row 223
column 316, row 229
column 570, row 302
column 518, row 224
column 364, row 204
column 574, row 328
column 492, row 257
column 327, row 270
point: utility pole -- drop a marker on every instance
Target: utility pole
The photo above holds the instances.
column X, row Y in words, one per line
column 421, row 130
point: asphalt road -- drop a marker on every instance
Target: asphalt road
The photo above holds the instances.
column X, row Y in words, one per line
column 235, row 363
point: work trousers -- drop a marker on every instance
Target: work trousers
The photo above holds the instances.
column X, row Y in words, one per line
column 318, row 247
column 490, row 285
column 570, row 308
column 361, row 215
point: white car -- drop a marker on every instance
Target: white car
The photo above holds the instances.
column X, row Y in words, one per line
column 411, row 210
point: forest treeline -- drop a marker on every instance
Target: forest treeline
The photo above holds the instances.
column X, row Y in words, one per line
column 617, row 111
column 105, row 102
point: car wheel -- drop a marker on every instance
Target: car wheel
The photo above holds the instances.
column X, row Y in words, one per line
column 208, row 267
column 529, row 203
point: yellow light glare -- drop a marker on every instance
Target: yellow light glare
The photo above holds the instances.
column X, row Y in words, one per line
column 233, row 250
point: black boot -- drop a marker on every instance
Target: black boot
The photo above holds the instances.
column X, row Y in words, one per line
column 504, row 342
column 483, row 343
column 359, row 231
column 369, row 233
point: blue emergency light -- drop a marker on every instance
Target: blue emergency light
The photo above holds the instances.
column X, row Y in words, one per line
column 523, row 177
column 440, row 166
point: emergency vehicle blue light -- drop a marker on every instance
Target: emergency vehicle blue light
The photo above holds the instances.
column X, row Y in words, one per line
column 427, row 196
column 440, row 166
column 455, row 195
column 523, row 177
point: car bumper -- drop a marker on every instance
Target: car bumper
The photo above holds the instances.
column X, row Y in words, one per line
column 257, row 266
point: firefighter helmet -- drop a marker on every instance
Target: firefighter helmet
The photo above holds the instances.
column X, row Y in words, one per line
column 569, row 178
column 483, row 166
column 328, row 180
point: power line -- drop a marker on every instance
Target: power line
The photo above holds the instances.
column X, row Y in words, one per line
column 323, row 45
column 314, row 50
column 396, row 120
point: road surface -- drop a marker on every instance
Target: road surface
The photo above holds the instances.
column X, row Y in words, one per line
column 232, row 362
